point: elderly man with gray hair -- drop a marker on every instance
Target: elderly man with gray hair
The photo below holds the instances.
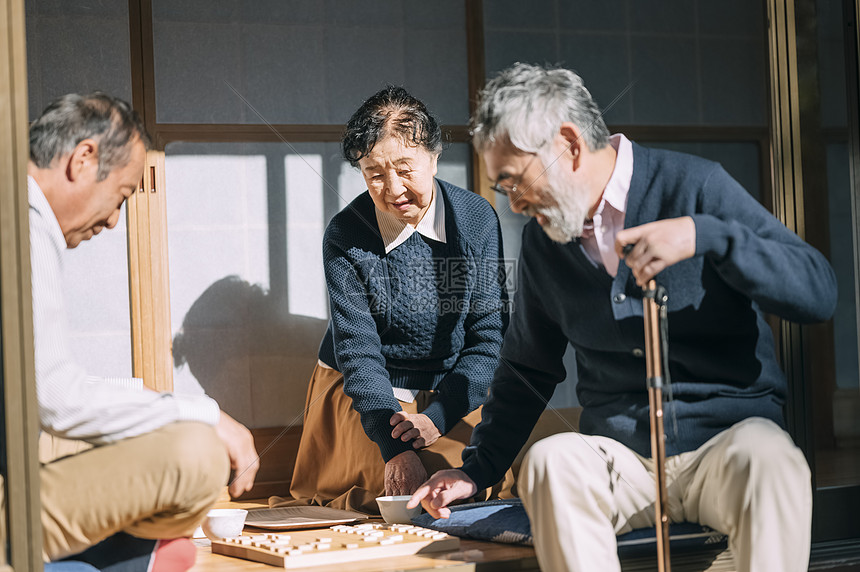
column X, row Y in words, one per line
column 159, row 460
column 609, row 215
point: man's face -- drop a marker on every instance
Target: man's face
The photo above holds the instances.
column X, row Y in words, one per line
column 549, row 194
column 95, row 205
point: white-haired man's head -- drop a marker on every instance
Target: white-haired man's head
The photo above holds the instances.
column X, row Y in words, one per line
column 529, row 112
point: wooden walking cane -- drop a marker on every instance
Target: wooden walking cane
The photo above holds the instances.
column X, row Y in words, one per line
column 652, row 300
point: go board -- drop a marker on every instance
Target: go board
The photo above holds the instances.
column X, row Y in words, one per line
column 335, row 545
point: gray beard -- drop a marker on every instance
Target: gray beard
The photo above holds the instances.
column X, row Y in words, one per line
column 565, row 210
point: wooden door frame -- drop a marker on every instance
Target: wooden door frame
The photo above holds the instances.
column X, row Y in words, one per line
column 16, row 316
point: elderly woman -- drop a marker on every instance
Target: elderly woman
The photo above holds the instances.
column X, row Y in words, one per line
column 418, row 310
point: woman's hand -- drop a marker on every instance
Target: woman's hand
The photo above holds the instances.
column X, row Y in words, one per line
column 404, row 474
column 415, row 427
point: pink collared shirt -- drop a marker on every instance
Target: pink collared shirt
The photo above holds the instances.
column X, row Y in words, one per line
column 598, row 236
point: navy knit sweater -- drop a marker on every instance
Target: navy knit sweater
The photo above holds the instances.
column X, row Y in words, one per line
column 721, row 350
column 427, row 315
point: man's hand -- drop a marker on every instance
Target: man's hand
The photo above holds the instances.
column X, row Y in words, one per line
column 416, row 427
column 404, row 473
column 443, row 488
column 243, row 456
column 656, row 245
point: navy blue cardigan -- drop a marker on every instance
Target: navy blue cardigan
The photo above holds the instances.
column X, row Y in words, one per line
column 427, row 315
column 721, row 350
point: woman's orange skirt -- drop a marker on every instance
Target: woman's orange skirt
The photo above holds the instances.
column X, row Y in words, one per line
column 338, row 466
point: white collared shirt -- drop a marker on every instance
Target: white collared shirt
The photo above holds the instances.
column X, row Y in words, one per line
column 598, row 237
column 395, row 232
column 71, row 403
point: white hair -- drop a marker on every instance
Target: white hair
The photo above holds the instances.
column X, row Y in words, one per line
column 526, row 105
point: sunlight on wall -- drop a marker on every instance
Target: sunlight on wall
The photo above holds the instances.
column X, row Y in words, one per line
column 305, row 226
column 95, row 287
column 248, row 296
column 217, row 226
column 350, row 184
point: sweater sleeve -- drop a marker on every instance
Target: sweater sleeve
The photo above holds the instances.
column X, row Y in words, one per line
column 529, row 369
column 358, row 350
column 758, row 256
column 465, row 387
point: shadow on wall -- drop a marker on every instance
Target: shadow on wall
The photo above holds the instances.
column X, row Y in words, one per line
column 249, row 353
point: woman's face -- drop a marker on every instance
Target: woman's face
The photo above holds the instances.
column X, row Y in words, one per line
column 399, row 177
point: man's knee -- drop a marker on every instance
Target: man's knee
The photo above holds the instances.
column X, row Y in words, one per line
column 195, row 449
column 554, row 455
column 759, row 448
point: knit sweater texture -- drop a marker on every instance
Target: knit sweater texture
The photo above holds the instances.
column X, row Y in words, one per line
column 427, row 315
column 721, row 350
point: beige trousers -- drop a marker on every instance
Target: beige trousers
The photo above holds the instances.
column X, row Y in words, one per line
column 157, row 485
column 750, row 482
column 337, row 465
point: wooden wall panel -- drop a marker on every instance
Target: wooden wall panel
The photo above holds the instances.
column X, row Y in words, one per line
column 277, row 447
column 16, row 304
column 149, row 278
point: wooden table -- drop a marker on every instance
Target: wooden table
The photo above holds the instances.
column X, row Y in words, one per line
column 473, row 555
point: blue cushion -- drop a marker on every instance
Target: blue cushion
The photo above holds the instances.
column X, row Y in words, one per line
column 69, row 566
column 683, row 536
column 498, row 520
column 506, row 521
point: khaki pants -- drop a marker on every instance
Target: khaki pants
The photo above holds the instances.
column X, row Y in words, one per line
column 750, row 482
column 157, row 485
column 338, row 466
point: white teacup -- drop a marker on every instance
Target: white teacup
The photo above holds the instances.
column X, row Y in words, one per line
column 224, row 523
column 394, row 511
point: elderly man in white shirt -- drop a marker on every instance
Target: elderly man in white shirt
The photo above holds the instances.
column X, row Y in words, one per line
column 160, row 460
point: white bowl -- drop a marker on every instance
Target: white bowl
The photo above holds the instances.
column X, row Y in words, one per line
column 394, row 511
column 224, row 523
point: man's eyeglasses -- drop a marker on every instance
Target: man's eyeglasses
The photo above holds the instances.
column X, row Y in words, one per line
column 512, row 192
